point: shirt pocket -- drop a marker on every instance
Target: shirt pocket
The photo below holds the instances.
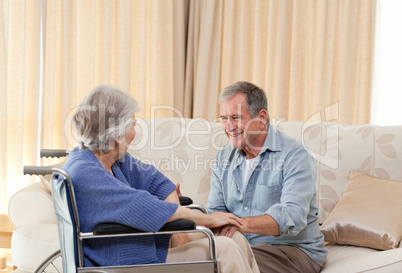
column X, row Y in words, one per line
column 267, row 195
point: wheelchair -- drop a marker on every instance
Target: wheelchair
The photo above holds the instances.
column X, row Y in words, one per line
column 71, row 237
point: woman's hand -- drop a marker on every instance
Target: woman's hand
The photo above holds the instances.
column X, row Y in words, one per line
column 220, row 219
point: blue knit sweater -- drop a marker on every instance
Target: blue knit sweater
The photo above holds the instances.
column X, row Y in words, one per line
column 134, row 197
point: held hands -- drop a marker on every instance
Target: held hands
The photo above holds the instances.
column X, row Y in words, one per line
column 221, row 219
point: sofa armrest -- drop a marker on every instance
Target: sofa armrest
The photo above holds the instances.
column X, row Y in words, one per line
column 31, row 204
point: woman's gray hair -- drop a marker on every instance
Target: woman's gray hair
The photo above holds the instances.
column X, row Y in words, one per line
column 256, row 100
column 105, row 114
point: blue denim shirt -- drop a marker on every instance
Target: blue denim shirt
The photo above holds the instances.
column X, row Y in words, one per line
column 282, row 186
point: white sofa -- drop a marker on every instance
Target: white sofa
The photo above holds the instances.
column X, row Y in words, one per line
column 184, row 149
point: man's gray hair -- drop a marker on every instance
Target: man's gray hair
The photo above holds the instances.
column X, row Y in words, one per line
column 256, row 99
column 105, row 114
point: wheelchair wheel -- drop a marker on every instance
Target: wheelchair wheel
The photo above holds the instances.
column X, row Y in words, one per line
column 51, row 264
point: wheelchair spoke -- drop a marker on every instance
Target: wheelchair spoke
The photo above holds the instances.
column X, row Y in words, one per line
column 53, row 267
column 49, row 265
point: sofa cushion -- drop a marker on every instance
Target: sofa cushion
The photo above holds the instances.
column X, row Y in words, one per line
column 361, row 259
column 33, row 204
column 368, row 213
column 34, row 242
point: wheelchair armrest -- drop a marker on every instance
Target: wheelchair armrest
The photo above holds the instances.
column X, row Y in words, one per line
column 185, row 201
column 113, row 228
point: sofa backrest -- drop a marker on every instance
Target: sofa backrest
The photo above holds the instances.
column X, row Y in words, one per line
column 340, row 149
column 184, row 149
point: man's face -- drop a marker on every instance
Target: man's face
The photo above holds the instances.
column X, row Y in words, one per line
column 241, row 129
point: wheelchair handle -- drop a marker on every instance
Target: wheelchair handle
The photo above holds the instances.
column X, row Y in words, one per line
column 53, row 153
column 35, row 170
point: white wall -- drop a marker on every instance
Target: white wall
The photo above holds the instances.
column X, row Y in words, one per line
column 386, row 102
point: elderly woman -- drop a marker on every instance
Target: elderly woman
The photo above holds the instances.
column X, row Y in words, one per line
column 112, row 186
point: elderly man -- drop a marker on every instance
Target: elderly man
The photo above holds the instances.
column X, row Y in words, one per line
column 268, row 179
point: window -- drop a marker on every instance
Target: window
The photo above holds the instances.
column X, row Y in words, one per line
column 386, row 108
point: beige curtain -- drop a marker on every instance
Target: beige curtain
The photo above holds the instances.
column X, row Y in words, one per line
column 138, row 46
column 313, row 58
column 19, row 93
column 174, row 57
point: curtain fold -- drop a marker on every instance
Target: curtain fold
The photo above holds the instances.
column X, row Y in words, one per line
column 19, row 91
column 203, row 58
column 138, row 46
column 311, row 57
column 314, row 59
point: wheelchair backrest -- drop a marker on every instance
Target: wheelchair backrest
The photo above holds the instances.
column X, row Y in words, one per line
column 67, row 221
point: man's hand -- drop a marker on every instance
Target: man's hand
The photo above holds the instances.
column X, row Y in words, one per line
column 227, row 231
column 263, row 224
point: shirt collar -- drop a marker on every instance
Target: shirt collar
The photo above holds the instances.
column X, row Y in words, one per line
column 273, row 141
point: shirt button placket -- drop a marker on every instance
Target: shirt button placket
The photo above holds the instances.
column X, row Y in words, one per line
column 246, row 204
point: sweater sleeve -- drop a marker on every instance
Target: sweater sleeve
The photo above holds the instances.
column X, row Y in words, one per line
column 103, row 198
column 146, row 177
